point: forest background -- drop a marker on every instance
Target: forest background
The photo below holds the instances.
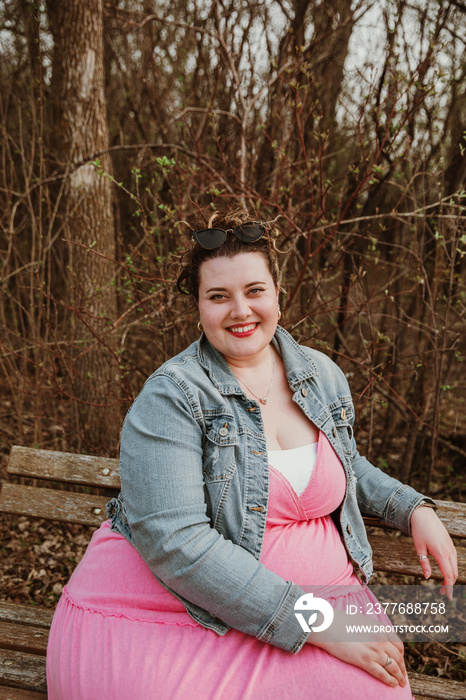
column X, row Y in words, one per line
column 345, row 121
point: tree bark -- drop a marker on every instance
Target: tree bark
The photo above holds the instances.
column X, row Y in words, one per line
column 80, row 132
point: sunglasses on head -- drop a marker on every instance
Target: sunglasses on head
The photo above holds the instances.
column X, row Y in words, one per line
column 210, row 238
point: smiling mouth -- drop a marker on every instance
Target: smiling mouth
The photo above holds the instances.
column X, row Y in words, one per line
column 243, row 329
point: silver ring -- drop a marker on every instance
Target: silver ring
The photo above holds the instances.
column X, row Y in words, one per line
column 388, row 661
column 422, row 557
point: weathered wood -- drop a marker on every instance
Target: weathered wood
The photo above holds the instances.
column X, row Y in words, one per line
column 453, row 516
column 21, row 670
column 438, row 688
column 65, row 506
column 396, row 554
column 20, row 694
column 23, row 638
column 26, row 614
column 64, row 466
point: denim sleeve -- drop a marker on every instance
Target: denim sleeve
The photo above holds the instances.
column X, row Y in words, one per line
column 381, row 495
column 163, row 491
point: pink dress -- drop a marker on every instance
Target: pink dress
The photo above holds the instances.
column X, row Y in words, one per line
column 118, row 633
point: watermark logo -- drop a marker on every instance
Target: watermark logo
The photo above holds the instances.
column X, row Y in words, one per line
column 313, row 606
column 417, row 613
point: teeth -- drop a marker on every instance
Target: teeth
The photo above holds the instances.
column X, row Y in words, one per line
column 242, row 329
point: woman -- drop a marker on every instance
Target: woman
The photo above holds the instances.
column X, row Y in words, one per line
column 241, row 483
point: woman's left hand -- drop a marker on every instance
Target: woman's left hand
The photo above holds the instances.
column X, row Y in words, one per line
column 431, row 537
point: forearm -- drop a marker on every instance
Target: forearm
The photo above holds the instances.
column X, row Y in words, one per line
column 210, row 571
column 383, row 496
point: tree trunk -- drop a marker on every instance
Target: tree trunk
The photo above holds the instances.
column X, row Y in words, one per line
column 81, row 131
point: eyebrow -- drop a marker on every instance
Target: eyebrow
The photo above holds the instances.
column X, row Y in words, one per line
column 224, row 289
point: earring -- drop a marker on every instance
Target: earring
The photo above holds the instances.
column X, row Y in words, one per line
column 199, row 327
column 279, row 313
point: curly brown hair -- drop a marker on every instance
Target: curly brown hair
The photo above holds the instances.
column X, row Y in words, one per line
column 192, row 259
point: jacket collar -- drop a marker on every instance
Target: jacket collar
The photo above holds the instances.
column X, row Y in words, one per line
column 298, row 364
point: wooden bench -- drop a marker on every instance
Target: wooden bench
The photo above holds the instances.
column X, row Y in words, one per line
column 24, row 628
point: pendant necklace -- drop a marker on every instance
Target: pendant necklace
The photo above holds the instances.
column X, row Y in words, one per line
column 262, row 399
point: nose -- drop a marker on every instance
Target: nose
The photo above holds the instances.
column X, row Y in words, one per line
column 240, row 307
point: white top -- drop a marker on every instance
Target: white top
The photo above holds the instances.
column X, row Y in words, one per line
column 296, row 464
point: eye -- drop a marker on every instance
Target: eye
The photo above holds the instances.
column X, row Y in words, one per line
column 255, row 291
column 217, row 297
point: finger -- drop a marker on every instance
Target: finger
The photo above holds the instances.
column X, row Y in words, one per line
column 397, row 643
column 452, row 567
column 448, row 574
column 446, row 589
column 454, row 564
column 393, row 664
column 389, row 674
column 378, row 671
column 425, row 564
column 397, row 655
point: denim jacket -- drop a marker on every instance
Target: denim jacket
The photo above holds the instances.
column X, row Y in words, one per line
column 195, row 485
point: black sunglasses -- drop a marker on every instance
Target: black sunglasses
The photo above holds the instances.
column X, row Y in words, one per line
column 210, row 238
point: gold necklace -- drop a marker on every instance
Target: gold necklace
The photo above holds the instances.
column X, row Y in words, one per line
column 262, row 399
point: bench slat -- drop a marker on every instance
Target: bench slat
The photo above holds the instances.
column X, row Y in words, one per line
column 438, row 688
column 20, row 694
column 398, row 555
column 64, row 466
column 21, row 670
column 453, row 515
column 23, row 638
column 25, row 614
column 51, row 504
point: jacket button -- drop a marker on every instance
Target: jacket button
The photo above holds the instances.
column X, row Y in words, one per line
column 335, row 432
column 223, row 432
column 349, row 529
column 304, row 391
column 343, row 414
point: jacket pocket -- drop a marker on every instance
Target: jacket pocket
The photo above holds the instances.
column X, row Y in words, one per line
column 219, row 448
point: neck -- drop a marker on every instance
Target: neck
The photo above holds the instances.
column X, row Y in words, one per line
column 260, row 362
column 259, row 392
